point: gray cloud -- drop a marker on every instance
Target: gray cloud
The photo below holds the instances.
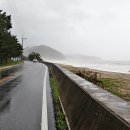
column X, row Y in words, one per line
column 90, row 27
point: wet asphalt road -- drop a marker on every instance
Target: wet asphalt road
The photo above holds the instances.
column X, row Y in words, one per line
column 21, row 107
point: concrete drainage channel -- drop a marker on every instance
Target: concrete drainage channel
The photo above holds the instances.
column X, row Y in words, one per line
column 89, row 107
column 67, row 121
column 61, row 121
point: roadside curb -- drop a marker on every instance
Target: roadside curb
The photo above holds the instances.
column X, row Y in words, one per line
column 8, row 71
column 11, row 79
column 9, row 67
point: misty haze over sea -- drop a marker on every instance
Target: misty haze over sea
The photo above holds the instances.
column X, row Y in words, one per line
column 98, row 64
column 101, row 66
column 93, row 62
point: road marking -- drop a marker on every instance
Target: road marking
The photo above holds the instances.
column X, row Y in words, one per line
column 44, row 121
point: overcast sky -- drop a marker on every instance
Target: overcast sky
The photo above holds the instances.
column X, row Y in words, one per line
column 91, row 27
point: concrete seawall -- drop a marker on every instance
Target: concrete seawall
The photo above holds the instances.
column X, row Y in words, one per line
column 89, row 107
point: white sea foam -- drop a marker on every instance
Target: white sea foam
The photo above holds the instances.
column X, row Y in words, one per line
column 102, row 66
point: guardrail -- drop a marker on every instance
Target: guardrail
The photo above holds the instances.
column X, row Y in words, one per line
column 89, row 107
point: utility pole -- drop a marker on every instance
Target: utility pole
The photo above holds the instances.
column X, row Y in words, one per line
column 23, row 38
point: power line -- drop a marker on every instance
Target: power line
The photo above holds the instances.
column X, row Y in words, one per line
column 14, row 14
column 17, row 14
column 16, row 17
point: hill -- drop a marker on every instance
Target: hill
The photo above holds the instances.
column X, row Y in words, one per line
column 47, row 53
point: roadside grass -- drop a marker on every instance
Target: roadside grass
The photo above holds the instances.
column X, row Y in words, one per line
column 11, row 62
column 59, row 115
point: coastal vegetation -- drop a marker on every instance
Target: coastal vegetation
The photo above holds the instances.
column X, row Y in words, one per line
column 10, row 48
column 116, row 83
column 59, row 115
column 117, row 87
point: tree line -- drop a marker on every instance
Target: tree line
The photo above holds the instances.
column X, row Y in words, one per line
column 9, row 45
column 34, row 55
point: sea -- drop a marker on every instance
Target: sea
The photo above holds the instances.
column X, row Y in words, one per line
column 111, row 67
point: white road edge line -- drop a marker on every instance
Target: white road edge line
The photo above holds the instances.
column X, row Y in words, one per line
column 44, row 121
